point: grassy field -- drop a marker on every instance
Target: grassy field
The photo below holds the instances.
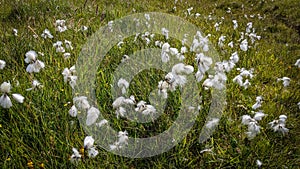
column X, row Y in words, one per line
column 40, row 133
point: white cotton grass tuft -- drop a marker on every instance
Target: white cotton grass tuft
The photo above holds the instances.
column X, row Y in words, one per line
column 120, row 102
column 165, row 57
column 92, row 116
column 123, row 84
column 212, row 123
column 244, row 73
column 163, row 88
column 68, row 44
column 203, row 63
column 46, row 34
column 34, row 65
column 15, row 32
column 58, row 46
column 76, row 156
column 73, row 111
column 88, row 144
column 258, row 103
column 298, row 104
column 60, row 25
column 165, row 32
column 216, row 81
column 2, row 64
column 144, row 108
column 81, row 103
column 285, row 81
column 297, row 63
column 175, row 78
column 35, row 85
column 235, row 24
column 279, row 125
column 252, row 123
column 5, row 101
column 69, row 76
column 244, row 45
column 122, row 140
column 102, row 123
column 221, row 41
column 258, row 163
column 200, row 43
column 19, row 98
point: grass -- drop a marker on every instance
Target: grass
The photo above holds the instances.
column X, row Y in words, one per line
column 41, row 130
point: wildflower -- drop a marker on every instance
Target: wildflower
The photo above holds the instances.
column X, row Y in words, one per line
column 59, row 47
column 200, row 43
column 5, row 101
column 76, row 156
column 35, row 85
column 235, row 24
column 120, row 111
column 110, row 26
column 163, row 88
column 203, row 62
column 144, row 108
column 279, row 125
column 123, row 84
column 252, row 123
column 60, row 25
column 238, row 79
column 258, row 103
column 285, row 81
column 66, row 55
column 92, row 116
column 181, row 68
column 230, row 44
column 244, row 45
column 68, row 44
column 92, row 152
column 35, row 65
column 212, row 123
column 297, row 63
column 189, row 10
column 81, row 103
column 88, row 142
column 254, row 37
column 119, row 102
column 246, row 84
column 165, row 52
column 234, row 57
column 2, row 64
column 125, row 58
column 15, row 32
column 217, row 26
column 46, row 34
column 249, row 27
column 258, row 163
column 69, row 76
column 221, row 40
column 246, row 73
column 165, row 32
column 84, row 28
column 122, row 140
column 102, row 123
column 73, row 111
column 217, row 81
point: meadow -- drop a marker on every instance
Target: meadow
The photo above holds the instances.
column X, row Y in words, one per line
column 258, row 43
